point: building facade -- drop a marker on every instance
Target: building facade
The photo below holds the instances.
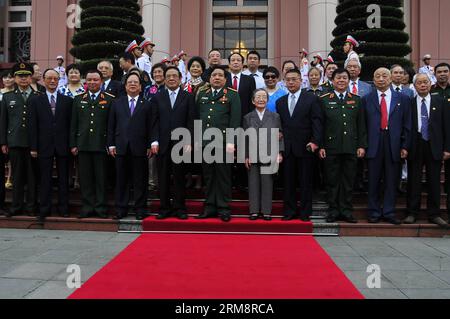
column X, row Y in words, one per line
column 278, row 29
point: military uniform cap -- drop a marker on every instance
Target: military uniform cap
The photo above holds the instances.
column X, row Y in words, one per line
column 22, row 68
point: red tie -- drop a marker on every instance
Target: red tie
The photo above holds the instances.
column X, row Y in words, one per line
column 235, row 83
column 354, row 89
column 384, row 113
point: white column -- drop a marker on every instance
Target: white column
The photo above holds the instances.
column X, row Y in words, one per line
column 156, row 22
column 321, row 16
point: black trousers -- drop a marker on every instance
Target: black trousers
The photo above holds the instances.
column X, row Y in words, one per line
column 45, row 191
column 447, row 184
column 2, row 180
column 23, row 172
column 166, row 168
column 424, row 157
column 298, row 169
column 131, row 171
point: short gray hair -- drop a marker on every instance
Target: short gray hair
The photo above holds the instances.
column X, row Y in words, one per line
column 347, row 62
column 419, row 74
column 260, row 90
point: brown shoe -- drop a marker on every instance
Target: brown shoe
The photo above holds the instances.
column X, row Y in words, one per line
column 440, row 222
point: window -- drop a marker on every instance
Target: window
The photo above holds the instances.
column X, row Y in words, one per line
column 240, row 33
column 19, row 44
column 15, row 3
column 17, row 16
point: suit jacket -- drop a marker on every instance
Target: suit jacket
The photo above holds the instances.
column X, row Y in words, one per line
column 438, row 128
column 270, row 120
column 305, row 125
column 126, row 130
column 165, row 119
column 247, row 86
column 48, row 133
column 114, row 88
column 399, row 123
column 364, row 88
column 407, row 91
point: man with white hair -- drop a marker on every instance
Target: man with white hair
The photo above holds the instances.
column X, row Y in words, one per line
column 356, row 87
column 109, row 85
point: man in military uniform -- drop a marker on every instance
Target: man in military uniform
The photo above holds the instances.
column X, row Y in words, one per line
column 88, row 140
column 218, row 107
column 349, row 48
column 327, row 86
column 345, row 139
column 442, row 89
column 15, row 143
column 145, row 61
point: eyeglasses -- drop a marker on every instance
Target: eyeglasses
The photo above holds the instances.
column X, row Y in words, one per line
column 270, row 77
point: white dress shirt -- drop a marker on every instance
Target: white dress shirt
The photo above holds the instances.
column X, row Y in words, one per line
column 258, row 76
column 297, row 96
column 95, row 94
column 238, row 79
column 49, row 96
column 419, row 110
column 388, row 99
column 351, row 86
column 339, row 94
column 106, row 83
column 260, row 114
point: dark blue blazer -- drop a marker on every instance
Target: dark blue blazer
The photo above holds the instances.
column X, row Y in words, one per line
column 400, row 123
column 49, row 134
column 165, row 119
column 305, row 126
column 115, row 88
column 126, row 131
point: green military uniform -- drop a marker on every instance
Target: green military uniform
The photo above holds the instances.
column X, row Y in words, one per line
column 318, row 92
column 88, row 133
column 444, row 94
column 14, row 134
column 220, row 110
column 327, row 87
column 344, row 133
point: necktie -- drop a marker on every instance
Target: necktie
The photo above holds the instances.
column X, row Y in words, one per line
column 132, row 106
column 425, row 122
column 103, row 87
column 384, row 112
column 235, row 83
column 93, row 97
column 53, row 104
column 398, row 89
column 354, row 88
column 292, row 105
column 215, row 93
column 172, row 98
column 341, row 98
column 25, row 96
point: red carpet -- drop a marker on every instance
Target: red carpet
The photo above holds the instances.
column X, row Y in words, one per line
column 158, row 266
column 237, row 225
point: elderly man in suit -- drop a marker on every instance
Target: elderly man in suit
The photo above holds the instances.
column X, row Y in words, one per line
column 109, row 85
column 129, row 131
column 49, row 133
column 356, row 86
column 260, row 183
column 430, row 145
column 172, row 108
column 398, row 74
column 388, row 117
column 301, row 121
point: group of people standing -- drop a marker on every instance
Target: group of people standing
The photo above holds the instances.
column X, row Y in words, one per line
column 330, row 122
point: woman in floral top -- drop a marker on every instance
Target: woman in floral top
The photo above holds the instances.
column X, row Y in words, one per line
column 74, row 87
column 158, row 76
column 196, row 67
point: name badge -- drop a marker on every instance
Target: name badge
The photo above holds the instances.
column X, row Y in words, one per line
column 333, row 103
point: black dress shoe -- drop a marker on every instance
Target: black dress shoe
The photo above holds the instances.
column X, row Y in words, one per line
column 331, row 219
column 162, row 216
column 288, row 218
column 392, row 220
column 350, row 219
column 254, row 217
column 205, row 216
column 182, row 216
column 225, row 218
column 374, row 220
column 267, row 218
column 83, row 215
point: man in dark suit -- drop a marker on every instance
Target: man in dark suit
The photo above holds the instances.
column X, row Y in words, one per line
column 244, row 84
column 301, row 122
column 49, row 131
column 172, row 108
column 388, row 117
column 129, row 131
column 109, row 85
column 430, row 145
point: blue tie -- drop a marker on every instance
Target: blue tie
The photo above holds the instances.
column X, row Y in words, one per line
column 425, row 122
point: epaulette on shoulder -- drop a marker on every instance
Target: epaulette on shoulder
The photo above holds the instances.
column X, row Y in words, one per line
column 350, row 95
column 231, row 89
column 109, row 94
column 322, row 96
column 205, row 87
